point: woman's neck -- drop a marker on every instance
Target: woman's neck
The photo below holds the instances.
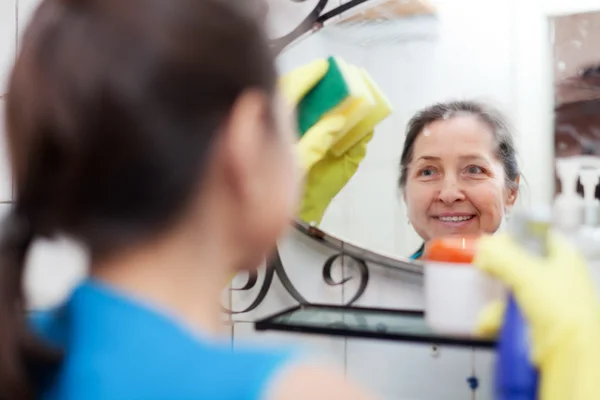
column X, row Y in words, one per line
column 181, row 276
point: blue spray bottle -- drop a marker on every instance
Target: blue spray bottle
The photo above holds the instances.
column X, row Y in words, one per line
column 516, row 378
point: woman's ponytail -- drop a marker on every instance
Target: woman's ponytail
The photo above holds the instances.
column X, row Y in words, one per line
column 20, row 352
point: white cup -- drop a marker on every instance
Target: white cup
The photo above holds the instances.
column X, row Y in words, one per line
column 455, row 295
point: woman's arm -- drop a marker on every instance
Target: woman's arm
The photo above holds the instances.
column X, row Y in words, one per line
column 326, row 173
column 560, row 303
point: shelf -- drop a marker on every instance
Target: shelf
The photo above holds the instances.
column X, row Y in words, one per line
column 360, row 322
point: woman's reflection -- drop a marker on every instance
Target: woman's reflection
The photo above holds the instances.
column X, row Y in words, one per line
column 459, row 171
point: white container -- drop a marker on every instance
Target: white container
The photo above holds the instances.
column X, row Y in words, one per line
column 455, row 295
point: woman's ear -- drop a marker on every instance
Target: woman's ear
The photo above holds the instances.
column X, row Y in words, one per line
column 513, row 192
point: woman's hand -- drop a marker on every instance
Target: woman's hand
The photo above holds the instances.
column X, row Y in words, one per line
column 560, row 303
column 327, row 177
column 326, row 174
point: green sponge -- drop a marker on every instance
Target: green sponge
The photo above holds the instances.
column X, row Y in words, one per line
column 326, row 95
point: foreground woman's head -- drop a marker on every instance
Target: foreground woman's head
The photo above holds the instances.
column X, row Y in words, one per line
column 459, row 172
column 137, row 123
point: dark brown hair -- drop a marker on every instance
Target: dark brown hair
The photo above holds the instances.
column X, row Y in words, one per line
column 112, row 110
column 505, row 148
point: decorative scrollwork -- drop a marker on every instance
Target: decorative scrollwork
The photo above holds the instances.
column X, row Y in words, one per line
column 275, row 267
column 314, row 22
column 311, row 22
column 362, row 269
column 360, row 259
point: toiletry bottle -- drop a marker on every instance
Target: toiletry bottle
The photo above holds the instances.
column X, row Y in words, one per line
column 589, row 178
column 579, row 218
column 516, row 377
column 569, row 204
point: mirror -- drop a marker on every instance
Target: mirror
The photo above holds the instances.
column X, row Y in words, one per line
column 419, row 52
column 576, row 64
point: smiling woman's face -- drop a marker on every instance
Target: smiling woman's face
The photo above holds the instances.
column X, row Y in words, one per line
column 455, row 183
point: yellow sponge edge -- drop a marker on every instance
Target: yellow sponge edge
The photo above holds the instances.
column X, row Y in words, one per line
column 296, row 84
column 367, row 122
column 360, row 102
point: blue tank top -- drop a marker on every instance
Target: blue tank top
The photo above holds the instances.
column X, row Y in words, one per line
column 119, row 349
column 419, row 253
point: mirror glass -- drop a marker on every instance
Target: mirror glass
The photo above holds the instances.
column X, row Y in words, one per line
column 576, row 66
column 419, row 52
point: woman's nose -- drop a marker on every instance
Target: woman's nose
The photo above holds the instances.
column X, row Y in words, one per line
column 451, row 192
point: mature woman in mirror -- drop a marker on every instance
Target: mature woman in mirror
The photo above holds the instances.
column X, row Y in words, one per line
column 459, row 171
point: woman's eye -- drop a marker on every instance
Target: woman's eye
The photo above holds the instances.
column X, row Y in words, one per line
column 474, row 169
column 427, row 172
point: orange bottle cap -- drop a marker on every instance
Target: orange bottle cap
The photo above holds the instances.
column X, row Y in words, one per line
column 451, row 249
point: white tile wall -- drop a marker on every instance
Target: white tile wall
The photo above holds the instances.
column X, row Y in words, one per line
column 8, row 37
column 484, row 369
column 410, row 372
column 53, row 269
column 25, row 9
column 7, row 40
column 5, row 173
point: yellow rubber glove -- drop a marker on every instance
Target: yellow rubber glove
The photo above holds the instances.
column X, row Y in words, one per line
column 490, row 320
column 295, row 84
column 326, row 174
column 559, row 301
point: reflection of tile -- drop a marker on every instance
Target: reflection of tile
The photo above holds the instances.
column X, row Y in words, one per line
column 8, row 39
column 284, row 16
column 25, row 10
column 303, row 260
column 373, row 201
column 319, row 45
column 335, row 219
column 410, row 371
column 5, row 172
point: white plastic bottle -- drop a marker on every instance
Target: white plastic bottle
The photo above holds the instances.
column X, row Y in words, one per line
column 578, row 217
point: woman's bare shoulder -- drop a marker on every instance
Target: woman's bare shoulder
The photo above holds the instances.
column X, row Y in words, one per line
column 316, row 382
